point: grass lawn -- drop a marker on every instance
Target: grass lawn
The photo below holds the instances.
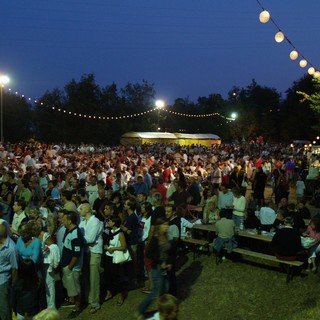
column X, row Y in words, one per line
column 247, row 289
column 242, row 290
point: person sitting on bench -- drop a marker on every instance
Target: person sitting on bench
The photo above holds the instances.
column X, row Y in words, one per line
column 286, row 243
column 225, row 229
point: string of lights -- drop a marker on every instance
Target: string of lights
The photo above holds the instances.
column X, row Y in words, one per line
column 119, row 117
column 189, row 115
column 265, row 17
column 33, row 100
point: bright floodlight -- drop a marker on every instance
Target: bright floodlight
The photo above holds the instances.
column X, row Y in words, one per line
column 4, row 79
column 159, row 104
column 233, row 115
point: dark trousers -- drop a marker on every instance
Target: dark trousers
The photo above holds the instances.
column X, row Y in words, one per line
column 113, row 276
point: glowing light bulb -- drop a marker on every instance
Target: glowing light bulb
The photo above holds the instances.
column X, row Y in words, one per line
column 317, row 74
column 264, row 16
column 279, row 37
column 160, row 104
column 4, row 79
column 311, row 70
column 294, row 55
column 303, row 63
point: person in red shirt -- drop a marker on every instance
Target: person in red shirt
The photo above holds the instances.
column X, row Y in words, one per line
column 161, row 188
column 166, row 173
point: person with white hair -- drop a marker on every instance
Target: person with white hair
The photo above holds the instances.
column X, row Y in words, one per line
column 8, row 268
column 91, row 228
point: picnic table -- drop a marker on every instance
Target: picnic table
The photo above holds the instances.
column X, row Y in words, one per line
column 265, row 236
column 208, row 229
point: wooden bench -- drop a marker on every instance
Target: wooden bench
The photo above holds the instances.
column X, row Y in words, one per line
column 287, row 264
column 196, row 244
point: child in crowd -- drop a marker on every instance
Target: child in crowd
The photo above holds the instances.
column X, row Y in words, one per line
column 168, row 308
column 313, row 231
column 300, row 189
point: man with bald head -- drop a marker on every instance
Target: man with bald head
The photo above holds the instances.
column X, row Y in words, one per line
column 8, row 269
column 92, row 229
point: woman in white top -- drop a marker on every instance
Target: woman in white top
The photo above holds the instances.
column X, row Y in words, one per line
column 114, row 272
column 146, row 211
column 50, row 260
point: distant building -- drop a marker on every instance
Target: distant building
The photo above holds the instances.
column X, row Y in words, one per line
column 183, row 139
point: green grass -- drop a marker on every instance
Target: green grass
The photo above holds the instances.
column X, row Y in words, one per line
column 232, row 290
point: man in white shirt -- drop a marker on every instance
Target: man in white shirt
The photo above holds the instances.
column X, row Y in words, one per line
column 267, row 216
column 19, row 216
column 92, row 190
column 92, row 229
column 216, row 176
column 239, row 207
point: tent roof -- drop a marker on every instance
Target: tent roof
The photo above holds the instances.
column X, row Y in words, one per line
column 168, row 135
column 198, row 136
column 149, row 135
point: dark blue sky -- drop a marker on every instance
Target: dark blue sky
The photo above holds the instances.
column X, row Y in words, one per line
column 186, row 48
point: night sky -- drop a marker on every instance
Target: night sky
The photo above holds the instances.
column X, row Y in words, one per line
column 186, row 48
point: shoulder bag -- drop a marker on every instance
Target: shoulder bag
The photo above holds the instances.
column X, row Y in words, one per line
column 120, row 256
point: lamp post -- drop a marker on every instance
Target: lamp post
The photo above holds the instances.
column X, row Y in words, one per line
column 159, row 104
column 233, row 117
column 3, row 80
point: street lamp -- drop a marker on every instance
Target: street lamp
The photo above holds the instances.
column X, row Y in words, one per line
column 3, row 80
column 233, row 117
column 159, row 105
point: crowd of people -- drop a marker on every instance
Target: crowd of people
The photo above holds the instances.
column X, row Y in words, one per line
column 67, row 211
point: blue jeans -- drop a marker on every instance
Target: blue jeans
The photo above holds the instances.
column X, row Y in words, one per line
column 5, row 302
column 219, row 243
column 237, row 220
column 160, row 286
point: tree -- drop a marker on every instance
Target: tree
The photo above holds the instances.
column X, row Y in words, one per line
column 138, row 98
column 48, row 123
column 257, row 108
column 84, row 98
column 216, row 105
column 314, row 98
column 17, row 122
column 245, row 125
column 299, row 119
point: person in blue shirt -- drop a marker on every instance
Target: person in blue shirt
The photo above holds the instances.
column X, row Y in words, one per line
column 147, row 178
column 8, row 268
column 140, row 186
column 27, row 245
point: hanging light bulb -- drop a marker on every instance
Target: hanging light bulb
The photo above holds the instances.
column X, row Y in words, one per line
column 279, row 37
column 303, row 63
column 264, row 16
column 294, row 54
column 311, row 70
column 317, row 74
